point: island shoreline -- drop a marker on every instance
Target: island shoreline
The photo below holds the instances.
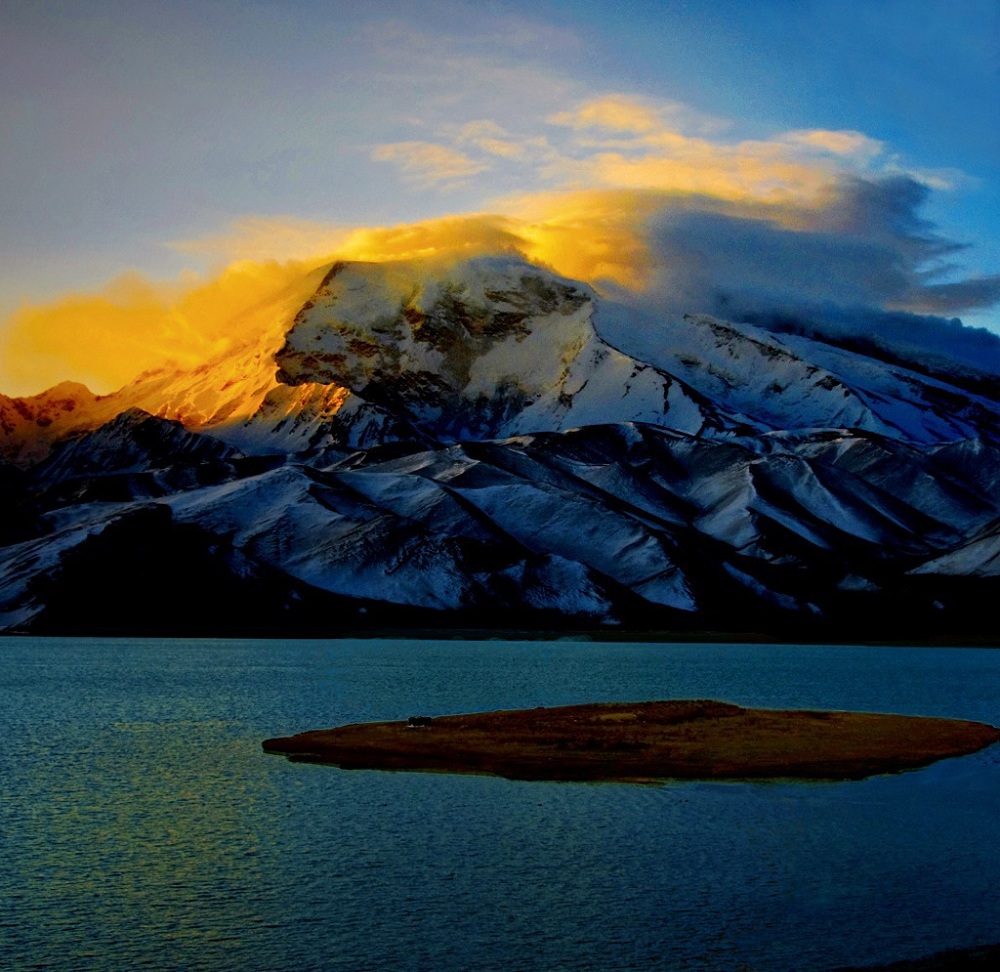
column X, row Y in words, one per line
column 644, row 742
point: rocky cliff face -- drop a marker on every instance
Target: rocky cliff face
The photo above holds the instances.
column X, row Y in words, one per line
column 490, row 444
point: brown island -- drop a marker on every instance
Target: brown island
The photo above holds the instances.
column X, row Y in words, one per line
column 644, row 741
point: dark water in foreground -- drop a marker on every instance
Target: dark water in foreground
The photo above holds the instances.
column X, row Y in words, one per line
column 141, row 827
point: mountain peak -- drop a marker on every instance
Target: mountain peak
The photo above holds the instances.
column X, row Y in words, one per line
column 482, row 349
column 494, row 346
column 66, row 389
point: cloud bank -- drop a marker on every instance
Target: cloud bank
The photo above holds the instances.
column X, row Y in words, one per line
column 648, row 201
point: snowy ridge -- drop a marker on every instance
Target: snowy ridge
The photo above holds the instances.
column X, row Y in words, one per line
column 635, row 519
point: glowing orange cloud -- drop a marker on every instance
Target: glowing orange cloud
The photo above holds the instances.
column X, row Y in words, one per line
column 106, row 339
column 426, row 163
column 619, row 113
column 844, row 143
column 623, row 142
column 494, row 139
column 626, row 161
column 263, row 238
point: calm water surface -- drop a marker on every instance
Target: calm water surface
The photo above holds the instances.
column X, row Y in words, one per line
column 141, row 827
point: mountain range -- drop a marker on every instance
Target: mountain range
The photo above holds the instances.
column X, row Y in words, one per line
column 486, row 444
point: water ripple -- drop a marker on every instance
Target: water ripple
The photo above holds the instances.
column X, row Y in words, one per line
column 142, row 827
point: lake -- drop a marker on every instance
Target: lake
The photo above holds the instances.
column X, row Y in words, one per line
column 141, row 826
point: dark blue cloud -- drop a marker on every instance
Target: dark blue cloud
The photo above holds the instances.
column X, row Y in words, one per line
column 865, row 263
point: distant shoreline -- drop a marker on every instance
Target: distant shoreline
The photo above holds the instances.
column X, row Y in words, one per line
column 665, row 637
column 513, row 634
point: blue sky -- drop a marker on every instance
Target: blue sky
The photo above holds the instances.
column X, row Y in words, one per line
column 169, row 139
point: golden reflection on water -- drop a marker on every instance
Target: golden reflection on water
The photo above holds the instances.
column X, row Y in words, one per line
column 150, row 826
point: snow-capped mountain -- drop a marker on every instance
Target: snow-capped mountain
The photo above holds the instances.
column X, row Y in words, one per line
column 496, row 348
column 489, row 444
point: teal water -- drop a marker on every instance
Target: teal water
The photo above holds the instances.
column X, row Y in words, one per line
column 141, row 826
